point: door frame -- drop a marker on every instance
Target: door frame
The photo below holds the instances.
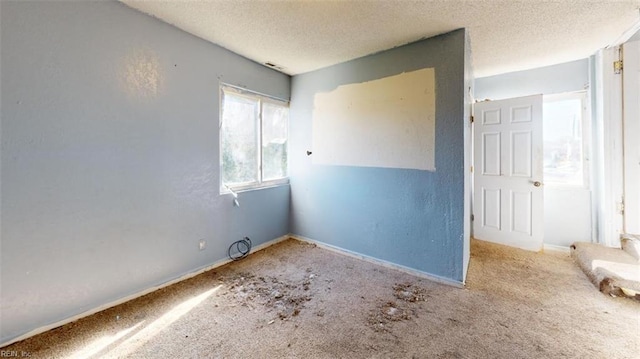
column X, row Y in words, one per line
column 607, row 142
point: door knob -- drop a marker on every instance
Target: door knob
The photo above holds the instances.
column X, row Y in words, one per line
column 537, row 183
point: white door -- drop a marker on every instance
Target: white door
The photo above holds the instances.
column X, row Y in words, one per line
column 508, row 195
column 631, row 88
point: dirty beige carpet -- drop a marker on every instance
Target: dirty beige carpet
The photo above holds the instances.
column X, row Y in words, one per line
column 295, row 300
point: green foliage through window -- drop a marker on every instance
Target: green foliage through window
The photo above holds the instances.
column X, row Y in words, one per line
column 254, row 138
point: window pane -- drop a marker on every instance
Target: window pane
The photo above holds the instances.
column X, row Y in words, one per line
column 275, row 124
column 239, row 140
column 562, row 141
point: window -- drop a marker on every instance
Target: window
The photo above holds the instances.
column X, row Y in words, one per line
column 565, row 140
column 253, row 139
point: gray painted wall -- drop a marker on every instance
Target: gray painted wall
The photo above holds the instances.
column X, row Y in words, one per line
column 409, row 217
column 110, row 159
column 567, row 77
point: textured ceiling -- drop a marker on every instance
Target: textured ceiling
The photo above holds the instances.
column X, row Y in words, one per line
column 303, row 35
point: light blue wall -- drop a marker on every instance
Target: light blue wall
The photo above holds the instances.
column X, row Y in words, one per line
column 104, row 193
column 408, row 217
column 567, row 77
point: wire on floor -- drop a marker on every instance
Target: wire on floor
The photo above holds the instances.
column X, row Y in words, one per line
column 239, row 249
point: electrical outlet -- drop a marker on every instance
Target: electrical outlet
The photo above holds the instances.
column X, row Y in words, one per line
column 203, row 244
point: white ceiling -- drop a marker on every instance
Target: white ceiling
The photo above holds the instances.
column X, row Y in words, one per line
column 304, row 35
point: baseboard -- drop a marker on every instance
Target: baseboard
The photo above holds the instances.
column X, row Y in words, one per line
column 415, row 272
column 137, row 294
column 555, row 248
column 535, row 247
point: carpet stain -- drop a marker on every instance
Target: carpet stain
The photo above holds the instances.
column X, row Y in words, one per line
column 403, row 308
column 286, row 297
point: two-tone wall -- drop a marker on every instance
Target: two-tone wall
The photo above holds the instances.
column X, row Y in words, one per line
column 110, row 158
column 410, row 217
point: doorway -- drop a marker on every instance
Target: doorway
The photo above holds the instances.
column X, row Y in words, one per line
column 507, row 168
column 531, row 171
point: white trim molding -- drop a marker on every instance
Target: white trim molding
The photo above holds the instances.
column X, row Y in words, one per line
column 555, row 248
column 380, row 262
column 608, row 142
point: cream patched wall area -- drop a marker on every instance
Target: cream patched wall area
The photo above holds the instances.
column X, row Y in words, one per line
column 389, row 122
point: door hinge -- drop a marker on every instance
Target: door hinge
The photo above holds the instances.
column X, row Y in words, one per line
column 620, row 206
column 472, row 217
column 471, row 118
column 471, row 169
column 617, row 67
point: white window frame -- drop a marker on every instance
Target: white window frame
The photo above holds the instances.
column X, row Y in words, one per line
column 586, row 136
column 261, row 98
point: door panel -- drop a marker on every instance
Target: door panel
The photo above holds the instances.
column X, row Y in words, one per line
column 521, row 212
column 508, row 156
column 491, row 152
column 491, row 208
column 491, row 117
column 521, row 154
column 521, row 114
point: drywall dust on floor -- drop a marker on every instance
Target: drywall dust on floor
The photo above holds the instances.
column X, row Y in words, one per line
column 298, row 300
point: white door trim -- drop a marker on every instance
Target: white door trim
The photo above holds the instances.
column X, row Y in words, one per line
column 609, row 190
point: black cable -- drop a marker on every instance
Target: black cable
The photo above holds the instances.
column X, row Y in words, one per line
column 243, row 247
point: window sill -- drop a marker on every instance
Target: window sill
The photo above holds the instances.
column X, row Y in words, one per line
column 253, row 187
